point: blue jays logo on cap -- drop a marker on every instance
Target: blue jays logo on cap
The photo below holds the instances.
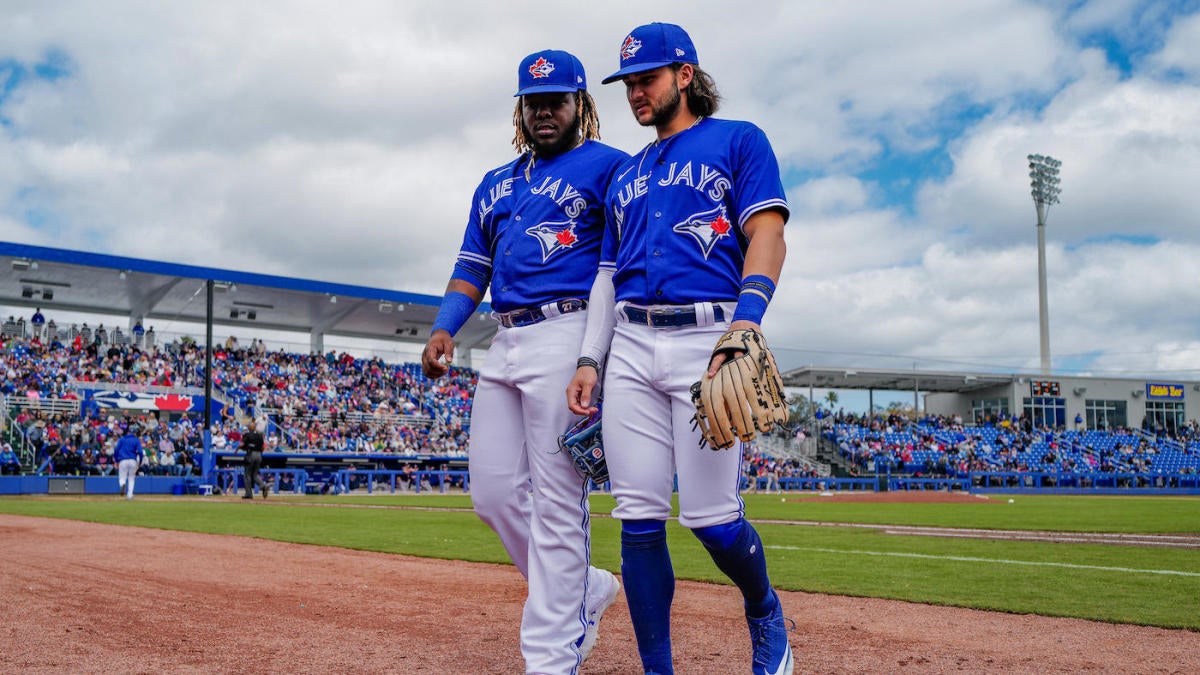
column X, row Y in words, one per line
column 653, row 46
column 550, row 71
column 630, row 47
column 541, row 68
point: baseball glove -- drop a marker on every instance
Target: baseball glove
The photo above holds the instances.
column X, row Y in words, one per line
column 583, row 443
column 746, row 393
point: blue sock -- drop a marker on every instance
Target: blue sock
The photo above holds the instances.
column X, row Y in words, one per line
column 649, row 582
column 737, row 550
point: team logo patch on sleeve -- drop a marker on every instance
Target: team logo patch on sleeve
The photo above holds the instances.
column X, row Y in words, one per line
column 554, row 237
column 541, row 68
column 630, row 47
column 706, row 228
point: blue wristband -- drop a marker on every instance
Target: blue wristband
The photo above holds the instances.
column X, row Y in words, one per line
column 455, row 310
column 757, row 291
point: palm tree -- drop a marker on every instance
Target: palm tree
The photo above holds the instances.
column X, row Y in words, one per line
column 831, row 398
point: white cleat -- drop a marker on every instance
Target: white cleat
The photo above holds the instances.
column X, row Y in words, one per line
column 601, row 596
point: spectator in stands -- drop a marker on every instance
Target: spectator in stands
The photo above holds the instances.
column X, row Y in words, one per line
column 166, row 461
column 103, row 465
column 38, row 323
column 10, row 464
column 219, row 440
column 87, row 461
column 182, row 461
column 36, row 434
column 233, row 438
column 166, row 448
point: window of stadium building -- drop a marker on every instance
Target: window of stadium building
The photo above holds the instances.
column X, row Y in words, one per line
column 1165, row 414
column 1106, row 415
column 988, row 409
column 1046, row 411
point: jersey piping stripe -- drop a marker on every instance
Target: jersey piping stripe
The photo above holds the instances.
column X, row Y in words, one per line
column 762, row 206
column 475, row 258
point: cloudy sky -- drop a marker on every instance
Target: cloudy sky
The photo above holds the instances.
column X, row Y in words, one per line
column 343, row 141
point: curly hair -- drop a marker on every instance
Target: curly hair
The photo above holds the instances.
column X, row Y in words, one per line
column 702, row 96
column 585, row 115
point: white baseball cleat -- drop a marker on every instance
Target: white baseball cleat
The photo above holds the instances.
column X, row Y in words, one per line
column 601, row 596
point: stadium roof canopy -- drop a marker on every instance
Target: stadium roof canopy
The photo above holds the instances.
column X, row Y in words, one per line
column 825, row 377
column 139, row 289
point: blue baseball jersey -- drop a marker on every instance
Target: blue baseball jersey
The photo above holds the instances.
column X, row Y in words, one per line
column 537, row 239
column 676, row 211
column 128, row 447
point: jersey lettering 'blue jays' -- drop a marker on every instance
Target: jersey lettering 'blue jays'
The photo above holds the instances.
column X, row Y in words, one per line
column 676, row 212
column 537, row 240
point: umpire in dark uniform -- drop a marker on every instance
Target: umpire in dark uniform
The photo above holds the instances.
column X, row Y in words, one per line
column 252, row 444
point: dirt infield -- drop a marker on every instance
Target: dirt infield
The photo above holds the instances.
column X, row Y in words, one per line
column 92, row 598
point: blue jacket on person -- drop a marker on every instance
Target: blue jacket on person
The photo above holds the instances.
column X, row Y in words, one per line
column 128, row 447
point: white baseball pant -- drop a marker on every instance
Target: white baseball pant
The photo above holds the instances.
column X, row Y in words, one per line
column 526, row 490
column 126, row 472
column 648, row 435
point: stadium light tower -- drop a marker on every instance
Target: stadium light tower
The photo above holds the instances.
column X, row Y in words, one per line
column 1043, row 176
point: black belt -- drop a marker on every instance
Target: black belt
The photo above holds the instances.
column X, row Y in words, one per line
column 531, row 315
column 674, row 317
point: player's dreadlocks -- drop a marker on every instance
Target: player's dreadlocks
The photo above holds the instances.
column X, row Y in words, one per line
column 702, row 95
column 585, row 115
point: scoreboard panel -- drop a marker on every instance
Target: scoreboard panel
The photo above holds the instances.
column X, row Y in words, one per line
column 1045, row 388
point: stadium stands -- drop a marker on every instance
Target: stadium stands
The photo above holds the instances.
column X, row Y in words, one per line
column 337, row 404
column 331, row 403
column 1014, row 453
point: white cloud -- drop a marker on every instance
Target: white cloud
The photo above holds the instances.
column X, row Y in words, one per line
column 1180, row 51
column 296, row 139
column 1129, row 155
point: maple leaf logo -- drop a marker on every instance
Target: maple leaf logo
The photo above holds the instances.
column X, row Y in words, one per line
column 706, row 228
column 554, row 237
column 541, row 68
column 720, row 225
column 173, row 402
column 630, row 47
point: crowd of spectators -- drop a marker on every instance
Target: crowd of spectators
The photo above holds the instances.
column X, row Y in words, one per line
column 83, row 446
column 339, row 403
column 331, row 402
column 943, row 446
column 762, row 470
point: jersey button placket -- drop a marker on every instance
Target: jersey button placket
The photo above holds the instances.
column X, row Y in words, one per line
column 654, row 257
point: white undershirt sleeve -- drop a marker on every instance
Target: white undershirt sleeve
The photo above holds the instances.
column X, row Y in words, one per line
column 601, row 316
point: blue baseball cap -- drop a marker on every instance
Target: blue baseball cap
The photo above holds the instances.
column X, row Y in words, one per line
column 550, row 71
column 653, row 46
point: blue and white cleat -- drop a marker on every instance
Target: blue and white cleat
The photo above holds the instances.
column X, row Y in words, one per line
column 769, row 639
column 601, row 596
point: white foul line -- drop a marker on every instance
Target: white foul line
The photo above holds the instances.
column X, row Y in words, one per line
column 1003, row 561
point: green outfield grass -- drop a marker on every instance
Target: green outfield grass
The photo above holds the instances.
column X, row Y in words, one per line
column 1152, row 586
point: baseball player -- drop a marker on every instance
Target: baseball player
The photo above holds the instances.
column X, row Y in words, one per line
column 694, row 248
column 533, row 236
column 129, row 455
